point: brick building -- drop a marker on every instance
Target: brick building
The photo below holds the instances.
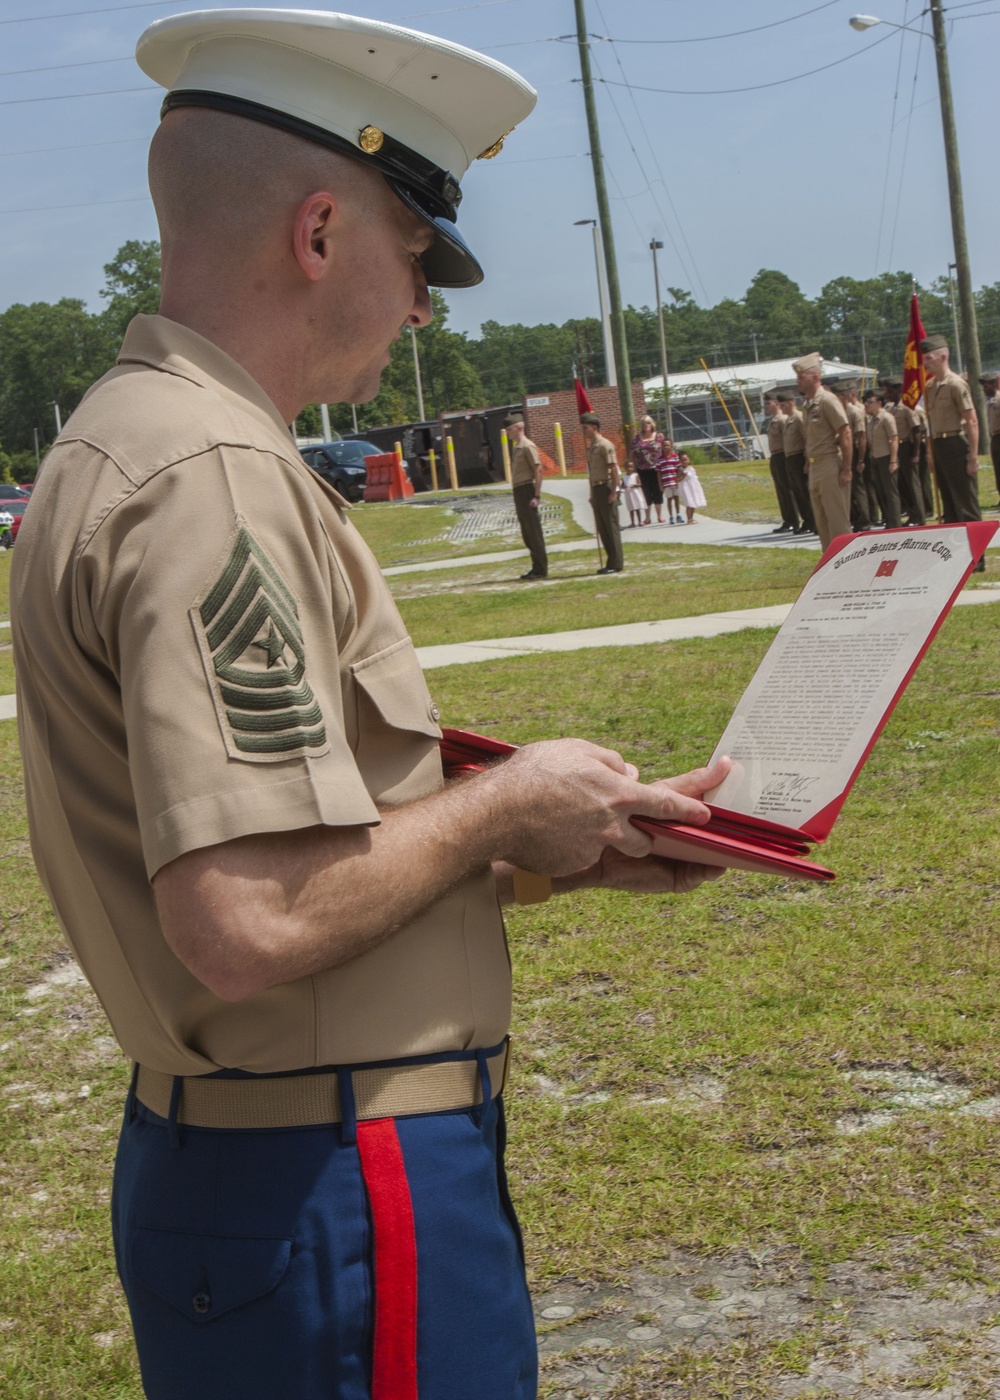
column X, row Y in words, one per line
column 543, row 411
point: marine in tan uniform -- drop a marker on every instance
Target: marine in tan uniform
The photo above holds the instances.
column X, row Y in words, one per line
column 232, row 766
column 989, row 383
column 954, row 435
column 526, row 481
column 796, row 467
column 883, row 455
column 605, row 482
column 911, row 494
column 779, row 475
column 847, row 392
column 829, row 450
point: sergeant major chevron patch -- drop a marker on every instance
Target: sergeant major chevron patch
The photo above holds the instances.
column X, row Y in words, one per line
column 248, row 628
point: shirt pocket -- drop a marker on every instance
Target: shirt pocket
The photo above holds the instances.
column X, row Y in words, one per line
column 204, row 1277
column 398, row 735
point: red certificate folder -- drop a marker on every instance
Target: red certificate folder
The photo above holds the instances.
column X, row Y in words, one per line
column 820, row 698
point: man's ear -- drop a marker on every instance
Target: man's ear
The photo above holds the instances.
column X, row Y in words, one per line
column 312, row 234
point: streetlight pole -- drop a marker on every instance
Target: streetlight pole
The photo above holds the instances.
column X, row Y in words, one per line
column 966, row 300
column 416, row 374
column 602, row 296
column 654, row 245
column 604, row 214
column 954, row 315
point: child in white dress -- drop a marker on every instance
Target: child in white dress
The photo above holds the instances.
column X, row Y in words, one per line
column 690, row 488
column 635, row 501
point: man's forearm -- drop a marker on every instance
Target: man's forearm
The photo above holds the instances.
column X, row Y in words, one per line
column 261, row 910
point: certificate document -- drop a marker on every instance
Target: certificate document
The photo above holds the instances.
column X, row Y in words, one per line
column 831, row 678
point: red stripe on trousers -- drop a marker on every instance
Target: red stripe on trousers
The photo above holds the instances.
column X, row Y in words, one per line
column 394, row 1360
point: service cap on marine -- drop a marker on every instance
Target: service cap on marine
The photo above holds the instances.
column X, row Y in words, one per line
column 988, row 376
column 933, row 342
column 891, row 381
column 808, row 362
column 414, row 107
column 845, row 386
column 874, row 394
column 784, row 396
column 592, row 418
column 513, row 418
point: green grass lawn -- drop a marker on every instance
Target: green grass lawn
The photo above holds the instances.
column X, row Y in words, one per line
column 681, row 1063
column 660, row 581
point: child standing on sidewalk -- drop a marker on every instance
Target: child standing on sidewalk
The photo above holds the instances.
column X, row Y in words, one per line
column 635, row 501
column 668, row 467
column 691, row 491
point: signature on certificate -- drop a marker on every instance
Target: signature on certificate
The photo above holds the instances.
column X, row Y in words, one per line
column 788, row 785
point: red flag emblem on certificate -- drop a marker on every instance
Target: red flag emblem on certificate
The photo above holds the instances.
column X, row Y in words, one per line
column 914, row 374
column 886, row 568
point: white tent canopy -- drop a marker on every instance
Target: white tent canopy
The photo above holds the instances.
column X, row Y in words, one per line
column 699, row 418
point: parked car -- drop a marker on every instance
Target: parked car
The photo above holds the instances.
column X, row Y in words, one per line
column 11, row 513
column 9, row 492
column 342, row 464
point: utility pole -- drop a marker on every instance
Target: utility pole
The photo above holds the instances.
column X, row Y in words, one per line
column 966, row 300
column 607, row 235
column 654, row 245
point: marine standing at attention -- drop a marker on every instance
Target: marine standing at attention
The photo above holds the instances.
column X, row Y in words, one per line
column 779, row 477
column 605, row 479
column 829, row 450
column 526, row 480
column 232, row 764
column 954, row 435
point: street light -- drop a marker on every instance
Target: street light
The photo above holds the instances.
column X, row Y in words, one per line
column 963, row 272
column 602, row 293
column 653, row 247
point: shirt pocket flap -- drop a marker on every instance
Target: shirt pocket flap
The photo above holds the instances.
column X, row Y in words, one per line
column 394, row 682
column 206, row 1276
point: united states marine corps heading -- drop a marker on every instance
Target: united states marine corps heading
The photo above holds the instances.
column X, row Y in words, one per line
column 526, row 480
column 232, row 762
column 829, row 450
column 954, row 434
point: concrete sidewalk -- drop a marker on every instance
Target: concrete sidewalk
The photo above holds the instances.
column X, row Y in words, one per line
column 630, row 634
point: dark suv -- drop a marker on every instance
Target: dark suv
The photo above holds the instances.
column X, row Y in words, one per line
column 342, row 464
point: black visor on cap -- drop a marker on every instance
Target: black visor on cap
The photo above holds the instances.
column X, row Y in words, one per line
column 432, row 193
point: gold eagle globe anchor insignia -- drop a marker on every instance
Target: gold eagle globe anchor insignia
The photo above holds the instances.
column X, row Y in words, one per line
column 495, row 149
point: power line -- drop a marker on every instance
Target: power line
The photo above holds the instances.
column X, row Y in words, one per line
column 892, row 133
column 51, row 67
column 84, row 146
column 754, row 87
column 104, row 10
column 666, row 187
column 906, row 147
column 733, row 34
column 67, row 96
column 95, row 204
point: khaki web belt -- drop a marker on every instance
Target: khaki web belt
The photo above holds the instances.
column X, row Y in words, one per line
column 303, row 1100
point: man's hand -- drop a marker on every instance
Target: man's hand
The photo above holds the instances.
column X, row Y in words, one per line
column 972, row 466
column 575, row 800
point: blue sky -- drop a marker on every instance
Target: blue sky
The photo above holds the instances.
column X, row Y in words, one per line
column 810, row 176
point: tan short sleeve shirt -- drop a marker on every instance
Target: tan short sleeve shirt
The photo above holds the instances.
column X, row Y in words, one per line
column 947, row 400
column 524, row 462
column 993, row 414
column 206, row 650
column 601, row 461
column 906, row 419
column 881, row 432
column 795, row 438
column 776, row 434
column 823, row 417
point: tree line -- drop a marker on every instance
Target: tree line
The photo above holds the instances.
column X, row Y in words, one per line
column 51, row 352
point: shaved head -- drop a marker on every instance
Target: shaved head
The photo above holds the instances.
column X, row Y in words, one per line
column 232, row 184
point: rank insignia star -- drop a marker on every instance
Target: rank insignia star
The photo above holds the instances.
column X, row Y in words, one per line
column 252, row 645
